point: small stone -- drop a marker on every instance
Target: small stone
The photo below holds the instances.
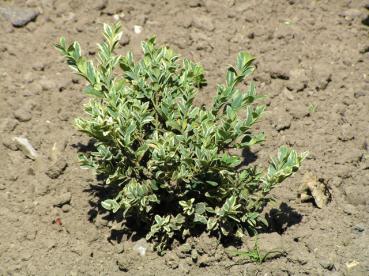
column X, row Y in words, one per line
column 23, row 114
column 203, row 23
column 62, row 199
column 125, row 39
column 25, row 146
column 57, row 168
column 137, row 29
column 141, row 246
column 17, row 16
column 352, row 264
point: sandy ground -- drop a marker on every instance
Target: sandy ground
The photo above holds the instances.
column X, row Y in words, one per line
column 312, row 64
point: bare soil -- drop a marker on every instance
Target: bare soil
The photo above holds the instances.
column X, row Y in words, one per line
column 312, row 64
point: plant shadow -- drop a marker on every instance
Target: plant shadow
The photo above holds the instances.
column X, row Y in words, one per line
column 280, row 219
column 248, row 157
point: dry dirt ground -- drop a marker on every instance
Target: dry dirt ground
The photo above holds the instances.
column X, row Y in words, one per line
column 312, row 64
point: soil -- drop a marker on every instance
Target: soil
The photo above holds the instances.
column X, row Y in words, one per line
column 312, row 64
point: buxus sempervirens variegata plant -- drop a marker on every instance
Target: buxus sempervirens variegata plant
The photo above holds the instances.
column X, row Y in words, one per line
column 169, row 158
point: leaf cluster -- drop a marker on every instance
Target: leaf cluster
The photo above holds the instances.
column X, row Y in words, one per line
column 171, row 159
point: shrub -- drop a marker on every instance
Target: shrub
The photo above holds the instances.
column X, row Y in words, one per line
column 169, row 159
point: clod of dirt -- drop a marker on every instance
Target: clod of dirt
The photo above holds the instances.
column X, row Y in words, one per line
column 57, row 168
column 126, row 261
column 323, row 76
column 194, row 255
column 47, row 84
column 23, row 114
column 356, row 195
column 283, row 122
column 203, row 23
column 171, row 260
column 62, row 199
column 278, row 73
column 206, row 244
column 184, row 250
column 298, row 80
column 17, row 16
column 346, row 133
column 8, row 125
column 312, row 189
column 100, row 4
column 25, row 146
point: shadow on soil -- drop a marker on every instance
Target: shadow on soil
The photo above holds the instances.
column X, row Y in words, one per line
column 280, row 219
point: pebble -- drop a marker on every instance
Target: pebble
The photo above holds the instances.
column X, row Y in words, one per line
column 141, row 246
column 203, row 23
column 17, row 16
column 25, row 146
column 137, row 29
column 57, row 168
column 125, row 39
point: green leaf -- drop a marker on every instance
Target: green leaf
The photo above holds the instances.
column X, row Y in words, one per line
column 110, row 204
column 211, row 224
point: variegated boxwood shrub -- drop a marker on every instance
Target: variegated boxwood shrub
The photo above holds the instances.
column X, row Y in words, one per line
column 171, row 159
